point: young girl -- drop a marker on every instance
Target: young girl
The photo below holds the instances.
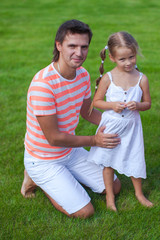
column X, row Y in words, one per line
column 127, row 92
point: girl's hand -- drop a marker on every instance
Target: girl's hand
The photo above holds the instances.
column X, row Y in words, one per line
column 132, row 105
column 118, row 106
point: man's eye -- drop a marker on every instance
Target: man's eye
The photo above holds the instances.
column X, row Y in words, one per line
column 85, row 47
column 71, row 46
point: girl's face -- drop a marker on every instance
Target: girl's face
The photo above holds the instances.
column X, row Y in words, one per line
column 124, row 58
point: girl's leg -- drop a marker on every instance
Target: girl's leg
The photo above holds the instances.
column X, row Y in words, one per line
column 108, row 175
column 137, row 183
column 116, row 186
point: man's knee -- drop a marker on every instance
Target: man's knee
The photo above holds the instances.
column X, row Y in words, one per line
column 85, row 212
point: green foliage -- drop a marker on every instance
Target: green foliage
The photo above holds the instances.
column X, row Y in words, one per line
column 27, row 30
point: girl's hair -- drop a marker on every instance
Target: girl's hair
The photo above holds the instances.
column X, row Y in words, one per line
column 116, row 40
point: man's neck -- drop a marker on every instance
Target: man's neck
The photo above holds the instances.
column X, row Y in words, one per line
column 65, row 71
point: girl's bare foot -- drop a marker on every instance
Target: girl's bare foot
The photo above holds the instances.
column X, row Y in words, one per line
column 144, row 201
column 137, row 183
column 111, row 204
column 28, row 186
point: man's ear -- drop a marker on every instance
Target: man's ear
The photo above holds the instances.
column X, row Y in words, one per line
column 58, row 46
column 111, row 58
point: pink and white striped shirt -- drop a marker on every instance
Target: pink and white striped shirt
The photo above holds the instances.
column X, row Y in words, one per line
column 49, row 93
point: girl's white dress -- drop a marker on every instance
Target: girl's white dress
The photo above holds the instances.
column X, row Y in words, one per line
column 128, row 157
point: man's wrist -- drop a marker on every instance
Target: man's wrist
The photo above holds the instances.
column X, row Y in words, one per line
column 93, row 140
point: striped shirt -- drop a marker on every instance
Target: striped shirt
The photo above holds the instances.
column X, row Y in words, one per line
column 48, row 94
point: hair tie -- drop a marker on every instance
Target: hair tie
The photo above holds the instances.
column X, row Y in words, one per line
column 135, row 66
column 102, row 61
column 96, row 87
column 106, row 47
column 101, row 75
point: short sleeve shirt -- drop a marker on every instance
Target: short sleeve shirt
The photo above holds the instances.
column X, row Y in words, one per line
column 48, row 94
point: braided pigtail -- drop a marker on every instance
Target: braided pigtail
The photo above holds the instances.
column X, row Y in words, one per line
column 137, row 68
column 101, row 70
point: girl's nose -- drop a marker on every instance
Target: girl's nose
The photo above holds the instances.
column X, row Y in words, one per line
column 128, row 62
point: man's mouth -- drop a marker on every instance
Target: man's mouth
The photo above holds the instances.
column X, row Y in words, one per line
column 77, row 59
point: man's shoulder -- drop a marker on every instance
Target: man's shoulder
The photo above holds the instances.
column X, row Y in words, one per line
column 46, row 74
column 82, row 71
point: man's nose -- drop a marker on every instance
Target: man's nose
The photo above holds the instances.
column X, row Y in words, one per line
column 78, row 51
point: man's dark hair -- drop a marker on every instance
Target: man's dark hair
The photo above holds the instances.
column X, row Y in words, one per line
column 71, row 26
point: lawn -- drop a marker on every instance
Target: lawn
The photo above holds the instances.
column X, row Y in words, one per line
column 27, row 31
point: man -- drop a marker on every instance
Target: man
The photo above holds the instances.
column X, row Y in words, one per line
column 54, row 158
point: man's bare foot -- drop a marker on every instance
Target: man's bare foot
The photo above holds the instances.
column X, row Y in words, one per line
column 144, row 201
column 28, row 186
column 111, row 204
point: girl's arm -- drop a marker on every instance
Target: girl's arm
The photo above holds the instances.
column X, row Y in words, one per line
column 145, row 104
column 99, row 101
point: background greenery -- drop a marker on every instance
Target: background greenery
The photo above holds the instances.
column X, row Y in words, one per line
column 27, row 31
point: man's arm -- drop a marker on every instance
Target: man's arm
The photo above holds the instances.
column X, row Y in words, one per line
column 103, row 139
column 94, row 117
column 49, row 126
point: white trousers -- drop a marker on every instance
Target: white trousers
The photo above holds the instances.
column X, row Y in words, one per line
column 61, row 179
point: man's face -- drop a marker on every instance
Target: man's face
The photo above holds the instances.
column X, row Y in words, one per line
column 74, row 49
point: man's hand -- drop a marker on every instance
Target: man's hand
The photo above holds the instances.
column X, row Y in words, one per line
column 106, row 140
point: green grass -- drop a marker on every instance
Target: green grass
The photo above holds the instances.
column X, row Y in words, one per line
column 27, row 31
